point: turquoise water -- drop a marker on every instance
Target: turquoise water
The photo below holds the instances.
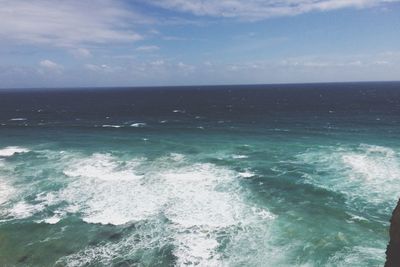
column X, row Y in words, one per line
column 288, row 190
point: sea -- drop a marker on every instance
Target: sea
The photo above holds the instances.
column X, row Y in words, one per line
column 249, row 175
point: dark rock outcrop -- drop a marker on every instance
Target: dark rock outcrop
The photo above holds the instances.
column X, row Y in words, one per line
column 393, row 249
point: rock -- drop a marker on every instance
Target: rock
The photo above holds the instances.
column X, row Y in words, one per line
column 393, row 249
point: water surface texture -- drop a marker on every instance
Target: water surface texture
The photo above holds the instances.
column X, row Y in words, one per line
column 279, row 175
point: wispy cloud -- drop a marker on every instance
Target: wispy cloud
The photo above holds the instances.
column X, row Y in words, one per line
column 51, row 67
column 148, row 48
column 81, row 53
column 67, row 23
column 256, row 9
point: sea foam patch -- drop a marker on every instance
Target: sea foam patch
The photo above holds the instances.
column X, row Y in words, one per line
column 111, row 126
column 22, row 210
column 6, row 191
column 369, row 172
column 18, row 119
column 138, row 124
column 102, row 167
column 108, row 191
column 149, row 236
column 201, row 201
column 358, row 256
column 12, row 150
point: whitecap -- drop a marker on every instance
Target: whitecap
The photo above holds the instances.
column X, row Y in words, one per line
column 177, row 157
column 138, row 124
column 18, row 119
column 111, row 126
column 178, row 111
column 23, row 210
column 100, row 166
column 247, row 174
column 199, row 200
column 369, row 172
column 12, row 150
column 199, row 211
column 263, row 213
column 108, row 191
column 239, row 156
column 50, row 220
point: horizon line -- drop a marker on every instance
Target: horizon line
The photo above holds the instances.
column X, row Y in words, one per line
column 192, row 85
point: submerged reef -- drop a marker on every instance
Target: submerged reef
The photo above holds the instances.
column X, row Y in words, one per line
column 393, row 249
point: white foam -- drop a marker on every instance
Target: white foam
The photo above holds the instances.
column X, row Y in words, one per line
column 151, row 235
column 22, row 210
column 373, row 163
column 177, row 157
column 192, row 198
column 138, row 124
column 197, row 249
column 358, row 256
column 12, row 150
column 199, row 210
column 369, row 172
column 111, row 126
column 247, row 174
column 178, row 111
column 18, row 119
column 263, row 213
column 239, row 156
column 109, row 191
column 102, row 167
column 199, row 200
column 51, row 220
column 6, row 191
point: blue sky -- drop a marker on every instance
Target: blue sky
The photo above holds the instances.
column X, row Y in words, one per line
column 71, row 43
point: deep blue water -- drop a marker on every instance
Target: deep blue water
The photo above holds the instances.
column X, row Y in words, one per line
column 266, row 175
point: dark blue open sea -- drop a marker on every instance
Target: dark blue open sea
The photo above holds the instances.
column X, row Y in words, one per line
column 276, row 175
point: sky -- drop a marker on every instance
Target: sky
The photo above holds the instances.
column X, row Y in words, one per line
column 100, row 43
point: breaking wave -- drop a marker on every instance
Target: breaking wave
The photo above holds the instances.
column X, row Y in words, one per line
column 12, row 150
column 367, row 172
column 194, row 208
column 201, row 202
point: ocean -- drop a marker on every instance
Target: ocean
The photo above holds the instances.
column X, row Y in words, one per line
column 258, row 175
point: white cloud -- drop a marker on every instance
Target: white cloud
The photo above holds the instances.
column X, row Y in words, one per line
column 50, row 65
column 256, row 9
column 81, row 53
column 67, row 23
column 105, row 71
column 99, row 68
column 148, row 48
column 164, row 71
column 341, row 61
column 186, row 67
column 158, row 62
column 92, row 67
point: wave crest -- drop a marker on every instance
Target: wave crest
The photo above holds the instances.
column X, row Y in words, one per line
column 12, row 150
